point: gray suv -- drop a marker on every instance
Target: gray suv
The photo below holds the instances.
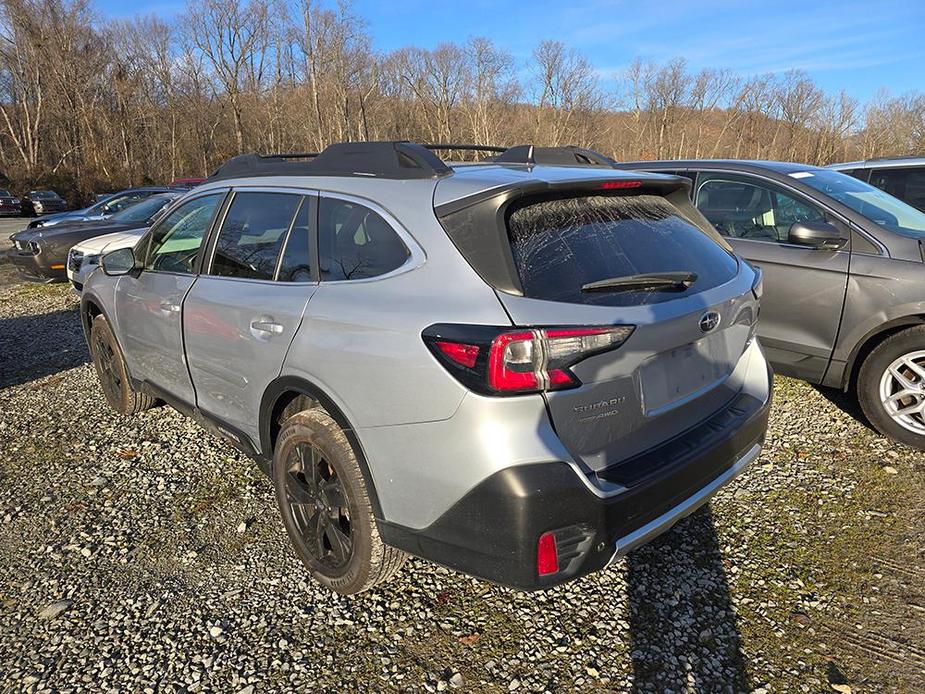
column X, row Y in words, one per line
column 844, row 301
column 517, row 369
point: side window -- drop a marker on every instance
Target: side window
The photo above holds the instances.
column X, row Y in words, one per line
column 296, row 264
column 176, row 240
column 120, row 203
column 743, row 209
column 906, row 184
column 355, row 243
column 860, row 174
column 252, row 235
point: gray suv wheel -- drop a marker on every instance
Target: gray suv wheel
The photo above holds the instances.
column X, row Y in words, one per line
column 891, row 387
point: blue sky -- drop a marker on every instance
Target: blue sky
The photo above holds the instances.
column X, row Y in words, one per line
column 844, row 44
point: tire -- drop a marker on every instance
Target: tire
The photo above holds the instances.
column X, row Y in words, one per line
column 325, row 506
column 110, row 369
column 904, row 352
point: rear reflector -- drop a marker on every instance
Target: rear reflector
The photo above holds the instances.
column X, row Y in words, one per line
column 464, row 355
column 620, row 185
column 547, row 555
column 495, row 361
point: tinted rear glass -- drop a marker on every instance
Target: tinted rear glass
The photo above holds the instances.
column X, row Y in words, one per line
column 560, row 245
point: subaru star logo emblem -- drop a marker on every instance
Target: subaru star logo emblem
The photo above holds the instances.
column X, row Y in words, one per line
column 709, row 321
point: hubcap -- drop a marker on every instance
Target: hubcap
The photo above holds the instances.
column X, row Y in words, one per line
column 109, row 374
column 902, row 391
column 319, row 507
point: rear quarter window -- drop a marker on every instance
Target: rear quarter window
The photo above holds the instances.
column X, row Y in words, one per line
column 560, row 245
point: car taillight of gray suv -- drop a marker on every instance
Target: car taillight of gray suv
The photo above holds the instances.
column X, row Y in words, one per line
column 520, row 368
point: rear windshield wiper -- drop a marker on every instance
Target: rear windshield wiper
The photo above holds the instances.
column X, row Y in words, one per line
column 667, row 281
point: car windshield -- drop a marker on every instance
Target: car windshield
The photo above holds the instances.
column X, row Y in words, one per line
column 43, row 194
column 143, row 210
column 882, row 208
column 4, row 193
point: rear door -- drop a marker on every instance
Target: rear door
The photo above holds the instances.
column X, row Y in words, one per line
column 678, row 366
column 240, row 317
column 148, row 304
column 804, row 288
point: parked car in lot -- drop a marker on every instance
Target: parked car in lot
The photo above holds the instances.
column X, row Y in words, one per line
column 10, row 205
column 844, row 301
column 901, row 177
column 84, row 257
column 186, row 183
column 41, row 255
column 40, row 202
column 101, row 210
column 515, row 369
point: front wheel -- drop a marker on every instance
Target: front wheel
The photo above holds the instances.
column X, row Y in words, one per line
column 325, row 507
column 891, row 387
column 110, row 368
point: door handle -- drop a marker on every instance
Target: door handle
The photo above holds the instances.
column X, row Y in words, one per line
column 266, row 326
column 173, row 308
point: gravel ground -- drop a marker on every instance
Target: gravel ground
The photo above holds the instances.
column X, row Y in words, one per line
column 141, row 554
column 9, row 225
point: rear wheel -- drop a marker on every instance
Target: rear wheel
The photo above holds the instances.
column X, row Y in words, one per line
column 110, row 368
column 325, row 506
column 891, row 387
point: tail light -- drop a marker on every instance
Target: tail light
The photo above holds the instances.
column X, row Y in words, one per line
column 498, row 361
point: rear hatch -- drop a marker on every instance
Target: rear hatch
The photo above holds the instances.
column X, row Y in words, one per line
column 627, row 255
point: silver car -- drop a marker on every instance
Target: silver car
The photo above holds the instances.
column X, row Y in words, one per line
column 519, row 369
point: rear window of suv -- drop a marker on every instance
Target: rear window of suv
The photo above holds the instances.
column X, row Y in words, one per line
column 561, row 245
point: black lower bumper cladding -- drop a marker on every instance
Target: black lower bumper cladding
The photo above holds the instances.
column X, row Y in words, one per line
column 492, row 532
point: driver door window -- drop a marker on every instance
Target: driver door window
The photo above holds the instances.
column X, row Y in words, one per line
column 746, row 210
column 176, row 240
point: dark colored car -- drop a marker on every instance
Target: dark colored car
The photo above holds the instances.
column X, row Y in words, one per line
column 40, row 254
column 38, row 202
column 901, row 177
column 10, row 205
column 103, row 209
column 844, row 290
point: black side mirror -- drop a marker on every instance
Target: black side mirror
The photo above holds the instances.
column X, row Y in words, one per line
column 118, row 262
column 818, row 235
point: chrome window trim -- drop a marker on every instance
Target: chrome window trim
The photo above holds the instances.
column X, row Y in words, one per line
column 416, row 255
column 784, row 185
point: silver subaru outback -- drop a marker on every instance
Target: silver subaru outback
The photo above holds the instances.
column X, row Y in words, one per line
column 520, row 368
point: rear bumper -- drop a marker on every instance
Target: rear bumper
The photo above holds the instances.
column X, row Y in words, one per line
column 492, row 532
column 36, row 268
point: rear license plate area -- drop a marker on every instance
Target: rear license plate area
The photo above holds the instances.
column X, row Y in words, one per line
column 674, row 376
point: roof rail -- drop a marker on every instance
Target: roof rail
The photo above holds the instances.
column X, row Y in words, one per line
column 561, row 156
column 399, row 160
column 901, row 156
column 470, row 148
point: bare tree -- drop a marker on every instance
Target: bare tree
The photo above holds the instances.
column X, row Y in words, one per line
column 234, row 37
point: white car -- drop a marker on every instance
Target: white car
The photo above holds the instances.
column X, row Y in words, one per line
column 84, row 258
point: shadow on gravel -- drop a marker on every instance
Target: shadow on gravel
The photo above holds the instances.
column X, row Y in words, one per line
column 846, row 402
column 683, row 627
column 33, row 347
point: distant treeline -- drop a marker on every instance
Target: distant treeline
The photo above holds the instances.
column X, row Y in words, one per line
column 92, row 104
